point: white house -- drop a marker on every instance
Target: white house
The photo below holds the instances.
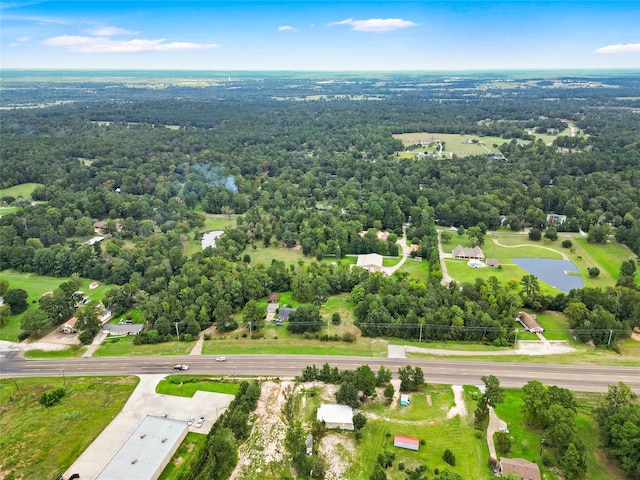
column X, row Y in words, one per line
column 336, row 416
column 371, row 262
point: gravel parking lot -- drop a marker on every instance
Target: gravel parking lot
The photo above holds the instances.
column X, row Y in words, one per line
column 145, row 401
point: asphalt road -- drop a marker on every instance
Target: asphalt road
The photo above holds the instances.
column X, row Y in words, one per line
column 457, row 372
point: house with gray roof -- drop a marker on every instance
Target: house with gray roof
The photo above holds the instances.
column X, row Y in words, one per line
column 474, row 253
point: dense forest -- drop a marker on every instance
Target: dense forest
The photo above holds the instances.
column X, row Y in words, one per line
column 313, row 163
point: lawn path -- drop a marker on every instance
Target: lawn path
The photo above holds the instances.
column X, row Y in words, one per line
column 563, row 255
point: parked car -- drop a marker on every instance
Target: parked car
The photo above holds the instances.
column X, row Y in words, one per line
column 200, row 422
column 180, row 366
column 221, row 359
column 191, row 420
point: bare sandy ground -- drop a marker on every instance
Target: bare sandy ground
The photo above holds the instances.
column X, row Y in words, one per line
column 460, row 407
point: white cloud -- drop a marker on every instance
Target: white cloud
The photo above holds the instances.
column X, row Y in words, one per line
column 287, row 28
column 39, row 20
column 619, row 49
column 80, row 44
column 24, row 39
column 110, row 31
column 376, row 25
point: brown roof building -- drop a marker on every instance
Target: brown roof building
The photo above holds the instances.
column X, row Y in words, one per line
column 529, row 322
column 525, row 469
column 472, row 253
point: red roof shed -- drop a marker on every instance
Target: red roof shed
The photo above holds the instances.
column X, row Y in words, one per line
column 406, row 442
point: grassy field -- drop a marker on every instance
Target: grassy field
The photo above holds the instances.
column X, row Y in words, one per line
column 74, row 351
column 454, row 143
column 123, row 346
column 428, row 423
column 629, row 356
column 35, row 286
column 415, row 269
column 584, row 255
column 32, row 436
column 190, row 446
column 276, row 344
column 607, row 258
column 526, row 442
column 390, row 261
column 187, row 386
column 23, row 190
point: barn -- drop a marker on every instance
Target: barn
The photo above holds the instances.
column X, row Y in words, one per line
column 406, row 442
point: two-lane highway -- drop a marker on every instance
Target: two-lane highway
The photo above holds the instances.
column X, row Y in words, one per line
column 459, row 372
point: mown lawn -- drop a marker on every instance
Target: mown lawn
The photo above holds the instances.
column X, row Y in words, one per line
column 123, row 346
column 555, row 326
column 607, row 258
column 526, row 442
column 294, row 345
column 427, row 423
column 23, row 190
column 191, row 446
column 415, row 269
column 74, row 351
column 188, row 385
column 38, row 442
column 35, row 286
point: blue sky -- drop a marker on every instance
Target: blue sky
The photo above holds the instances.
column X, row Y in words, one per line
column 320, row 35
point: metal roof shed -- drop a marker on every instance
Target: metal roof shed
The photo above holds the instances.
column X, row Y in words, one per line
column 406, row 442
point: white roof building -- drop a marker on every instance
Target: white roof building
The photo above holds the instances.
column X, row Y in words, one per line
column 371, row 262
column 209, row 238
column 147, row 451
column 336, row 416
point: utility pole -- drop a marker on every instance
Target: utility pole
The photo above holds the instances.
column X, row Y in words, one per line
column 250, row 333
column 610, row 335
column 234, row 373
column 64, row 379
column 177, row 332
column 516, row 340
column 420, row 333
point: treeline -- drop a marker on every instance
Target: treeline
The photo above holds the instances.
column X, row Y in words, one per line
column 397, row 306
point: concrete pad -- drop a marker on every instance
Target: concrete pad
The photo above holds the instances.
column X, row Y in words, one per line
column 144, row 401
column 396, row 351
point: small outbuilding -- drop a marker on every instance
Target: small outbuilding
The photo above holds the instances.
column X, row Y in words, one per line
column 285, row 312
column 404, row 399
column 309, row 444
column 492, row 262
column 406, row 442
column 524, row 469
column 272, row 307
column 529, row 323
column 336, row 416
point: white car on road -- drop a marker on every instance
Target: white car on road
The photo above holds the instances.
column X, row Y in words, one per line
column 221, row 359
column 200, row 422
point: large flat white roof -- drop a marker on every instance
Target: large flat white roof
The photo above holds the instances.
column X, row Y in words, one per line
column 335, row 413
column 146, row 452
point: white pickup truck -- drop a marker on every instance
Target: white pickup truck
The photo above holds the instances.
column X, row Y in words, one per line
column 180, row 366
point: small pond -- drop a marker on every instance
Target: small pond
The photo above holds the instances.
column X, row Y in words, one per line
column 552, row 272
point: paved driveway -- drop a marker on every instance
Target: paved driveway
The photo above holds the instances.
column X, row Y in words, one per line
column 144, row 401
